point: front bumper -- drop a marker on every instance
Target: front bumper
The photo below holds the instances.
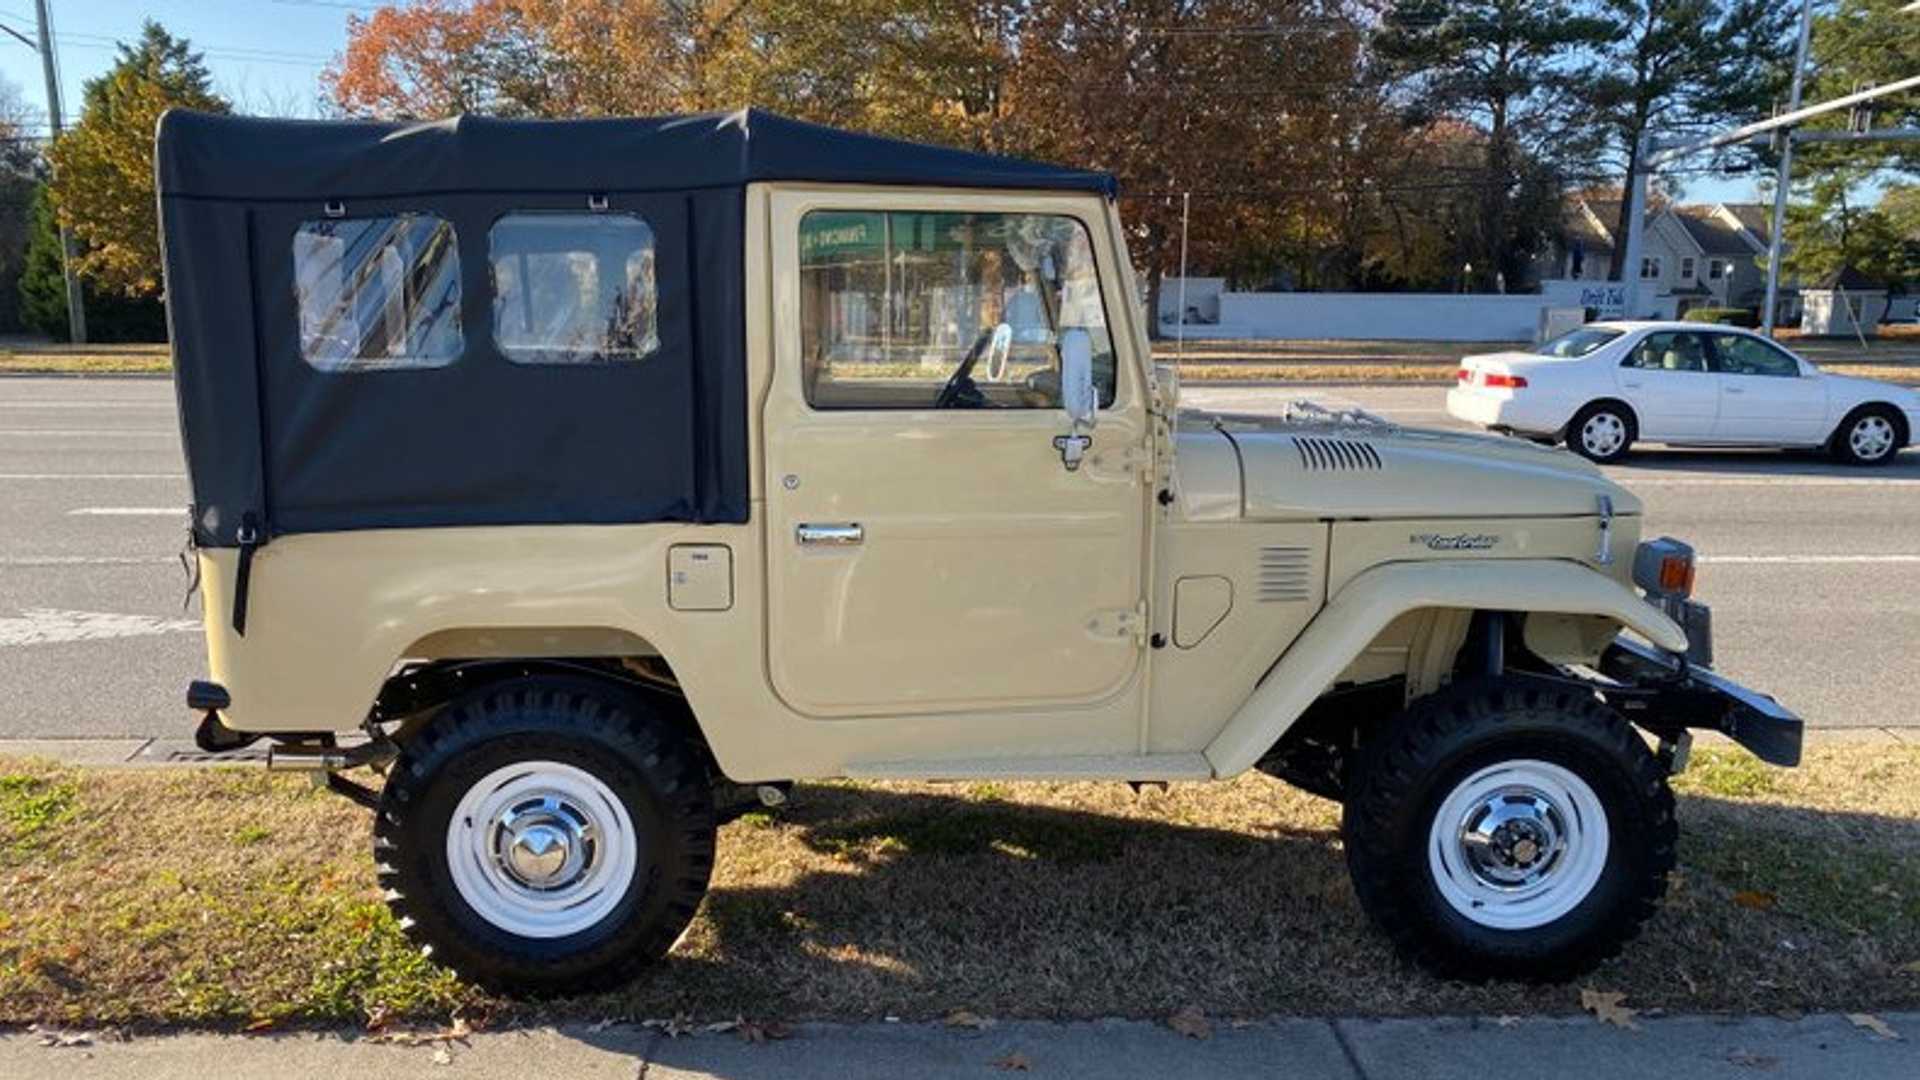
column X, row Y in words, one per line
column 1667, row 695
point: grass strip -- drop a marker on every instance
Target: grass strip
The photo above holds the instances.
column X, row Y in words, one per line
column 223, row 897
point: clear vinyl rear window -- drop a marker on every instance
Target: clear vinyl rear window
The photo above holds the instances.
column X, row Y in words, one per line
column 378, row 294
column 573, row 288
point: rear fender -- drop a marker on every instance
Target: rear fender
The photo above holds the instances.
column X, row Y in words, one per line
column 1359, row 611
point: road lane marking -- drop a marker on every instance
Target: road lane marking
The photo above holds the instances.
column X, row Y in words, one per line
column 1632, row 481
column 51, row 626
column 94, row 476
column 1811, row 560
column 128, row 511
column 92, row 433
column 88, row 560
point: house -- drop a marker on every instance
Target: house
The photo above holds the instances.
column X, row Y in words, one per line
column 1706, row 255
column 1845, row 303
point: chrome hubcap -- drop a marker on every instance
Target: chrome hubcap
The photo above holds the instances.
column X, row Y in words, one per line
column 542, row 849
column 1518, row 844
column 1872, row 437
column 1602, row 434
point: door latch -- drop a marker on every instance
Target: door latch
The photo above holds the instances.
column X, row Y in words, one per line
column 1072, row 449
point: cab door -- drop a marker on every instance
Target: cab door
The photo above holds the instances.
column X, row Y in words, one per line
column 1765, row 397
column 929, row 549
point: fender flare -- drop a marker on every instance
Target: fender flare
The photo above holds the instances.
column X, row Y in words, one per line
column 1365, row 605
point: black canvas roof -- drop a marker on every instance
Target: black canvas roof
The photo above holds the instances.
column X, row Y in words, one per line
column 252, row 158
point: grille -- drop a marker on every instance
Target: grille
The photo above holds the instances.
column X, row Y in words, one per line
column 1335, row 454
column 1284, row 574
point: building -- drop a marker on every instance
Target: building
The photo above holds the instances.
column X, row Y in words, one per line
column 1690, row 256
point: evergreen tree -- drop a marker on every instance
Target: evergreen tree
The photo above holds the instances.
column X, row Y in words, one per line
column 43, row 290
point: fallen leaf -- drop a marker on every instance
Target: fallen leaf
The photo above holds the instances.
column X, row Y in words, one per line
column 1747, row 1059
column 1606, row 1008
column 1872, row 1023
column 680, row 1024
column 720, row 1027
column 1191, row 1022
column 1013, row 1062
column 1692, row 987
column 1507, row 1021
column 441, row 1056
column 1756, row 900
column 377, row 1017
column 961, row 1018
column 64, row 1040
column 599, row 1026
column 1911, row 967
column 260, row 1024
column 758, row 1032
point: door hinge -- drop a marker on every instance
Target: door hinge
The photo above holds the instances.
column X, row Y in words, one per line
column 1117, row 461
column 1121, row 624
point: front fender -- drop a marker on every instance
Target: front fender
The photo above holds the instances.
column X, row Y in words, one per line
column 1359, row 611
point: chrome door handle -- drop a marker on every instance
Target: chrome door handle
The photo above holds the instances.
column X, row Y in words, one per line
column 1734, row 389
column 844, row 534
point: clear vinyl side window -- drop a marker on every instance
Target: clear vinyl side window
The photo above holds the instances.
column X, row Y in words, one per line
column 378, row 294
column 573, row 288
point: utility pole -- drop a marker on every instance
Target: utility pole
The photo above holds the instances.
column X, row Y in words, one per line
column 1776, row 239
column 76, row 307
column 1636, row 224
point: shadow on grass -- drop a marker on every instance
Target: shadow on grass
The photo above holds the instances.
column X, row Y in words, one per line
column 156, row 907
column 917, row 903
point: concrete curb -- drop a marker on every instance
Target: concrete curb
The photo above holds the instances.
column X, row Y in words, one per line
column 1680, row 1047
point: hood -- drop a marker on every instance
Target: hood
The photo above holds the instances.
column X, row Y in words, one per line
column 1292, row 469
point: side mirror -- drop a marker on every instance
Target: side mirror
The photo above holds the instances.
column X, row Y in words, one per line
column 1077, row 394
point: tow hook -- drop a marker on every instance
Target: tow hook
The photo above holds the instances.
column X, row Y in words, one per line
column 324, row 762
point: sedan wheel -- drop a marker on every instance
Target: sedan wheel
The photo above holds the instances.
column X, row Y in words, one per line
column 1871, row 439
column 1601, row 433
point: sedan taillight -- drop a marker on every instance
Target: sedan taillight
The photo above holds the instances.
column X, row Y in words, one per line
column 1510, row 382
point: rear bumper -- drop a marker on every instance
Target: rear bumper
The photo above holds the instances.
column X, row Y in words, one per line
column 1529, row 413
column 1662, row 693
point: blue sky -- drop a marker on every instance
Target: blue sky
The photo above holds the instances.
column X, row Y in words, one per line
column 266, row 55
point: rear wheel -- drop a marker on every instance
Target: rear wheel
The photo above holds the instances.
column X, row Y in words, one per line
column 1602, row 432
column 1509, row 828
column 546, row 835
column 1870, row 436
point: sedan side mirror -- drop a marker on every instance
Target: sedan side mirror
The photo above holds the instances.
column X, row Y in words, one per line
column 1077, row 393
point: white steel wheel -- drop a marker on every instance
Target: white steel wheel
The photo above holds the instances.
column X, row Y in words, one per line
column 1871, row 437
column 542, row 849
column 1518, row 845
column 1603, row 435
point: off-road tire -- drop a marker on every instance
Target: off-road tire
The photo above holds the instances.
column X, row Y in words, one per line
column 1841, row 445
column 1407, row 772
column 624, row 742
column 1575, row 427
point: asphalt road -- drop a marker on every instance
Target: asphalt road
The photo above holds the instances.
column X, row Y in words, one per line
column 1813, row 569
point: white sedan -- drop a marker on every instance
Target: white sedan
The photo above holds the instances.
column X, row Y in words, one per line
column 1608, row 385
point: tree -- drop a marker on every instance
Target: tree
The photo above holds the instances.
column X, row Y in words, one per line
column 1677, row 67
column 42, row 289
column 1856, row 44
column 20, row 170
column 1834, row 229
column 1500, row 64
column 102, row 186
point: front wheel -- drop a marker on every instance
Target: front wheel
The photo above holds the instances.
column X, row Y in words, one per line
column 1509, row 828
column 546, row 835
column 1871, row 436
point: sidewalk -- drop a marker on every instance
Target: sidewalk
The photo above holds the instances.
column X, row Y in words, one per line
column 1675, row 1048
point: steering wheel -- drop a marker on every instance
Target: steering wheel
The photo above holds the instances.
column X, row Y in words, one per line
column 961, row 392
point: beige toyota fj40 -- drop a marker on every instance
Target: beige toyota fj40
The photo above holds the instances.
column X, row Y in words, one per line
column 563, row 471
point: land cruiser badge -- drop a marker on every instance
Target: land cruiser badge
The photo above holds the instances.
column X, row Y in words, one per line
column 1455, row 541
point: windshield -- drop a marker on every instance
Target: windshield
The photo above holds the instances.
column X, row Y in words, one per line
column 1577, row 342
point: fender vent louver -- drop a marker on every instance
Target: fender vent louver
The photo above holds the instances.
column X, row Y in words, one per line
column 1323, row 454
column 1285, row 574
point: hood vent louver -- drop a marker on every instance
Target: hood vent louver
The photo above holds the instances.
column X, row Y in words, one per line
column 1285, row 574
column 1321, row 454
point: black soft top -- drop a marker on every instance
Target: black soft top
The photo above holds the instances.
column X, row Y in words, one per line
column 248, row 158
column 276, row 445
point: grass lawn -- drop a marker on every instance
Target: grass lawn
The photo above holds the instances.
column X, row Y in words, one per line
column 226, row 897
column 86, row 359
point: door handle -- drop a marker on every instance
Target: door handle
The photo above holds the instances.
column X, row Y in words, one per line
column 1631, row 385
column 1734, row 389
column 840, row 534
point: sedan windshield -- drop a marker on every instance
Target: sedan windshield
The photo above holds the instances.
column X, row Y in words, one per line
column 1576, row 342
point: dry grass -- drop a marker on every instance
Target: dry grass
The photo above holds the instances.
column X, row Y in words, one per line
column 86, row 359
column 218, row 897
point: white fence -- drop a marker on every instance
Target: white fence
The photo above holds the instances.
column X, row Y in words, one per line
column 1213, row 312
